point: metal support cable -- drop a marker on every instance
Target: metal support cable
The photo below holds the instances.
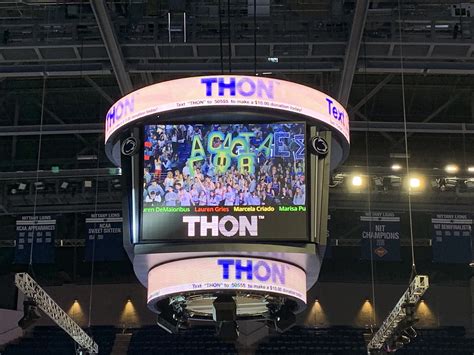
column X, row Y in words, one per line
column 410, row 215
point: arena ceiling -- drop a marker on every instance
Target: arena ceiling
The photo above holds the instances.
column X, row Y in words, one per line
column 63, row 63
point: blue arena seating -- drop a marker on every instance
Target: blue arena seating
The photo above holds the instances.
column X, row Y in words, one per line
column 201, row 340
column 298, row 340
column 344, row 340
column 49, row 340
column 154, row 340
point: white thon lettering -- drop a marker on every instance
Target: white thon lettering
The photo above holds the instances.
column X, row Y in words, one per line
column 227, row 226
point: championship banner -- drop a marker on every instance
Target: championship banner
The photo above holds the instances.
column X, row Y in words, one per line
column 104, row 237
column 37, row 232
column 451, row 235
column 383, row 228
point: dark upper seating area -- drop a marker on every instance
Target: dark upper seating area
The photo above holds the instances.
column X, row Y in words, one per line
column 449, row 340
column 337, row 340
column 298, row 340
column 154, row 340
column 49, row 340
column 345, row 340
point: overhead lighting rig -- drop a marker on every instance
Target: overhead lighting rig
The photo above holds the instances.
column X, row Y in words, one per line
column 38, row 297
column 396, row 330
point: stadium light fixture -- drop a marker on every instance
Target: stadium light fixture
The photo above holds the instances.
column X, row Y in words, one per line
column 414, row 183
column 396, row 167
column 39, row 185
column 30, row 313
column 357, row 180
column 87, row 157
column 451, row 168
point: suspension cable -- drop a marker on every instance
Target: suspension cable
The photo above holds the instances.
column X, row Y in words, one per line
column 38, row 160
column 405, row 136
column 369, row 199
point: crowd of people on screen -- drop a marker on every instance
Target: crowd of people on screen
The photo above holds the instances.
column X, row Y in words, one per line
column 170, row 181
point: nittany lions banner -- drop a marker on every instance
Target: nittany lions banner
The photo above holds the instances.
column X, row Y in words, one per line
column 226, row 273
column 383, row 230
column 451, row 237
column 35, row 237
column 104, row 237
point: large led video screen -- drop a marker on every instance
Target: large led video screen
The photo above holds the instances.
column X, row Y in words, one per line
column 232, row 182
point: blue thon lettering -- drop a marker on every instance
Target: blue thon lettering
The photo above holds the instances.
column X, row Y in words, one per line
column 225, row 263
column 245, row 87
column 260, row 270
column 239, row 268
column 120, row 109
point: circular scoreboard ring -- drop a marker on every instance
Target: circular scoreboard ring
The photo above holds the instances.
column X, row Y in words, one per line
column 255, row 283
column 182, row 99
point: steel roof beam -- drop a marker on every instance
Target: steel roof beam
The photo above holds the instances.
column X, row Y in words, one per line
column 352, row 50
column 112, row 45
column 372, row 93
column 50, row 129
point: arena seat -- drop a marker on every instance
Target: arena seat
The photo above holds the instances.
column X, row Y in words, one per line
column 154, row 340
column 346, row 340
column 49, row 340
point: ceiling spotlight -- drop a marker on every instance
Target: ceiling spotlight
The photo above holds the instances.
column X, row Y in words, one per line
column 471, row 264
column 88, row 183
column 470, row 169
column 87, row 157
column 39, row 185
column 396, row 167
column 21, row 186
column 356, row 180
column 285, row 318
column 451, row 168
column 415, row 183
column 64, row 185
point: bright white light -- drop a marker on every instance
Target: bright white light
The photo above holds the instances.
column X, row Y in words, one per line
column 451, row 168
column 415, row 183
column 357, row 180
column 396, row 167
column 470, row 169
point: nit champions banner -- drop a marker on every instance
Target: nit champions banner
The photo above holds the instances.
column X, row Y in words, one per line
column 383, row 228
column 104, row 237
column 37, row 232
column 451, row 238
